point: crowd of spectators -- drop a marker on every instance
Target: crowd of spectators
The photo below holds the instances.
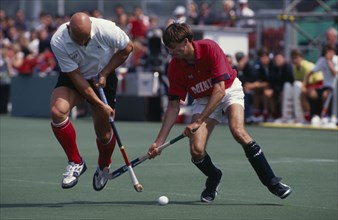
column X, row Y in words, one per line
column 25, row 50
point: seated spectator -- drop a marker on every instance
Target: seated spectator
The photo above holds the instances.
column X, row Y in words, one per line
column 192, row 13
column 257, row 86
column 20, row 21
column 328, row 65
column 246, row 74
column 295, row 104
column 228, row 15
column 281, row 73
column 206, row 17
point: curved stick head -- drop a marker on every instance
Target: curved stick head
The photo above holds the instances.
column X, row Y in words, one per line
column 138, row 187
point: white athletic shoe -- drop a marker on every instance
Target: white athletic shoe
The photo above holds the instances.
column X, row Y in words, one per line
column 100, row 178
column 72, row 173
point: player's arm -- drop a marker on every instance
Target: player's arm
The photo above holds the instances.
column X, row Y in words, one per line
column 118, row 58
column 217, row 95
column 333, row 70
column 168, row 122
column 84, row 88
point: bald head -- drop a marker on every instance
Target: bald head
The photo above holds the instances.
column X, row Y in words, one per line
column 80, row 28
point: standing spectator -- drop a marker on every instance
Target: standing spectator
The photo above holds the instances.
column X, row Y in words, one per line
column 245, row 12
column 328, row 65
column 331, row 37
column 87, row 49
column 179, row 14
column 281, row 73
column 192, row 13
column 200, row 68
column 139, row 24
column 228, row 15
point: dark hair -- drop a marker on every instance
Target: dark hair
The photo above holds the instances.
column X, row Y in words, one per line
column 328, row 47
column 263, row 51
column 176, row 33
column 296, row 53
column 278, row 52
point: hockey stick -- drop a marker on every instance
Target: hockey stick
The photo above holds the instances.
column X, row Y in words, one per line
column 138, row 187
column 143, row 158
column 328, row 99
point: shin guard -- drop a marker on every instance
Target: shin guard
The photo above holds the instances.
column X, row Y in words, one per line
column 259, row 163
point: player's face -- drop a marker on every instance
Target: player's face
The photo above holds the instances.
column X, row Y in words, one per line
column 178, row 50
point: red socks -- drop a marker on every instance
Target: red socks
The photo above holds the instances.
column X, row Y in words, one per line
column 66, row 135
column 105, row 152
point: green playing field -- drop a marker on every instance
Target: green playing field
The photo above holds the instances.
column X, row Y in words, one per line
column 32, row 163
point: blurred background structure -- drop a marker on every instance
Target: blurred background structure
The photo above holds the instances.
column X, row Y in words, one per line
column 237, row 25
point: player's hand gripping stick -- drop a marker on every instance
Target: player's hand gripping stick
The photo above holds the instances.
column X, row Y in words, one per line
column 138, row 187
column 143, row 158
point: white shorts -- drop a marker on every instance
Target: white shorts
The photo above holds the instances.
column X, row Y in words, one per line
column 233, row 95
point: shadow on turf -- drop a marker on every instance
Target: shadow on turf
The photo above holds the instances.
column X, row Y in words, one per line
column 117, row 203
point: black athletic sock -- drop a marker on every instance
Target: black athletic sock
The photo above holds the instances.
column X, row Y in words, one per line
column 259, row 163
column 206, row 166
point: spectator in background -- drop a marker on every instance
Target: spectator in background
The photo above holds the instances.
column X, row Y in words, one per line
column 281, row 73
column 20, row 22
column 231, row 61
column 328, row 65
column 139, row 24
column 228, row 15
column 257, row 87
column 118, row 12
column 206, row 17
column 246, row 74
column 13, row 33
column 96, row 13
column 123, row 22
column 192, row 13
column 34, row 42
column 331, row 37
column 179, row 14
column 44, row 39
column 245, row 12
column 297, row 91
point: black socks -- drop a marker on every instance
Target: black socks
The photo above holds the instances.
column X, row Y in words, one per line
column 259, row 163
column 206, row 166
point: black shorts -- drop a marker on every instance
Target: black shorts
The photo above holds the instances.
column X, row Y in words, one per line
column 109, row 90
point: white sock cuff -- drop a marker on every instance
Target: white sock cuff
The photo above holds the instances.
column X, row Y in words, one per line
column 60, row 124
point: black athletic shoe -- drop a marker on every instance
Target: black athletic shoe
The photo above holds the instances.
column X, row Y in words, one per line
column 211, row 188
column 281, row 190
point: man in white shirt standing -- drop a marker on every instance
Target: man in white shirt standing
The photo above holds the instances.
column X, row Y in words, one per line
column 245, row 11
column 86, row 49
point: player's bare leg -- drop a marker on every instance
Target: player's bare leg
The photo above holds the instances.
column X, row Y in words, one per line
column 105, row 143
column 202, row 160
column 63, row 99
column 254, row 153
